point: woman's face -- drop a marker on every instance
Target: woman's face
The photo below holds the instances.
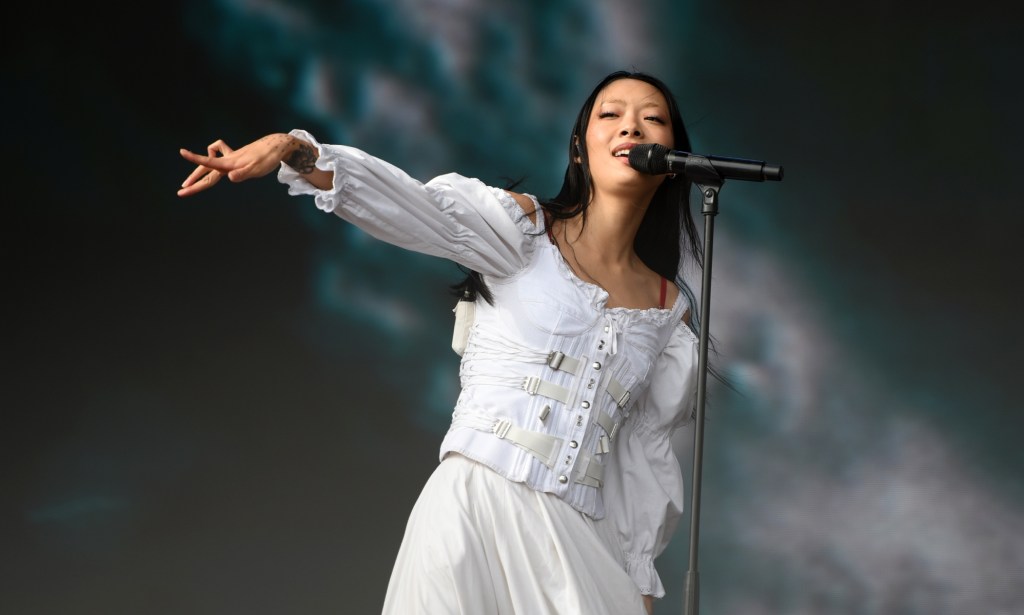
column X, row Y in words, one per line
column 626, row 112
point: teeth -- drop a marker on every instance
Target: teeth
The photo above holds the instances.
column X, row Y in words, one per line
column 621, row 153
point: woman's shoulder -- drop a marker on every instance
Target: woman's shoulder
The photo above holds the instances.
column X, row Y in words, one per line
column 527, row 203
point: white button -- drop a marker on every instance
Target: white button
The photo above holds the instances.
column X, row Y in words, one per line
column 573, row 444
column 563, row 479
column 597, row 365
column 585, row 405
column 606, row 328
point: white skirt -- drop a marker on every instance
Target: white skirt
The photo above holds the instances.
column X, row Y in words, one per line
column 479, row 544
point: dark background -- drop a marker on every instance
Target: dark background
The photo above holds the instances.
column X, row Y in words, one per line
column 228, row 403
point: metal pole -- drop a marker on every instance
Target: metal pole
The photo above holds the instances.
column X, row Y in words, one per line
column 710, row 209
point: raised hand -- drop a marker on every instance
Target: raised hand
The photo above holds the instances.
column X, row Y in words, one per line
column 254, row 160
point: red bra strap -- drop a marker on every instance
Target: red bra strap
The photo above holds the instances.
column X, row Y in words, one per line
column 664, row 291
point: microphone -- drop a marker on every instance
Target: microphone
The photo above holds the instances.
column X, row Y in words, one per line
column 656, row 159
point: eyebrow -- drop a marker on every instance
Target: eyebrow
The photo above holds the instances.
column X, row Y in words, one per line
column 650, row 103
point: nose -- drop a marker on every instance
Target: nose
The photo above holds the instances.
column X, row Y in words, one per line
column 627, row 132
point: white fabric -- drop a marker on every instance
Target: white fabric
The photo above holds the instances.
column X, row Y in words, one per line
column 540, row 306
column 477, row 544
column 465, row 313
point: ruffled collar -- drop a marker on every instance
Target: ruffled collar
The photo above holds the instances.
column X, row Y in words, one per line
column 598, row 297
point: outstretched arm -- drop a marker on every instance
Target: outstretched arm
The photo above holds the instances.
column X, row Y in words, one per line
column 254, row 160
column 451, row 216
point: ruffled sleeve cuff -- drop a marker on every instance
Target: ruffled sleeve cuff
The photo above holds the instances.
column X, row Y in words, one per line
column 641, row 570
column 334, row 159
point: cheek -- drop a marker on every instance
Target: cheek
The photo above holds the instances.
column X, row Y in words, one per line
column 670, row 140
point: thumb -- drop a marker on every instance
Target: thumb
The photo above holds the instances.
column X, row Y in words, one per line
column 239, row 175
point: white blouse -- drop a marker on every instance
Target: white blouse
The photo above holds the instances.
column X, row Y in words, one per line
column 558, row 391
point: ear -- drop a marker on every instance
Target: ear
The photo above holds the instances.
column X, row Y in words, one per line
column 578, row 158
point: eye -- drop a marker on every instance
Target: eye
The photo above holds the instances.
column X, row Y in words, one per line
column 655, row 119
column 606, row 114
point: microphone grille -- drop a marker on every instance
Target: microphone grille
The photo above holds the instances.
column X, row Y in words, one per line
column 650, row 158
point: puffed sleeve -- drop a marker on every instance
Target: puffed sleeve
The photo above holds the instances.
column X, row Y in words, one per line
column 453, row 217
column 643, row 489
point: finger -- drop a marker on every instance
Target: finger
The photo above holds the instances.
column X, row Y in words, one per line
column 192, row 156
column 205, row 180
column 242, row 174
column 190, row 190
column 211, row 178
column 205, row 183
column 197, row 174
column 219, row 146
column 219, row 163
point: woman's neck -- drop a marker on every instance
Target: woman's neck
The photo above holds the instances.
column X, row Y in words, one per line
column 608, row 233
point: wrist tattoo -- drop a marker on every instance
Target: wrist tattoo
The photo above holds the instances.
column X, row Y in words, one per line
column 302, row 159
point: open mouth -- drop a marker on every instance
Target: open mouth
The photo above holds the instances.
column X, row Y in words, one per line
column 622, row 151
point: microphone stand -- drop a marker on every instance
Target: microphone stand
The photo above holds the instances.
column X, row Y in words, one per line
column 705, row 177
column 708, row 174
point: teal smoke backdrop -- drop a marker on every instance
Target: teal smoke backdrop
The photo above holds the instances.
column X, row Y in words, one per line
column 229, row 403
